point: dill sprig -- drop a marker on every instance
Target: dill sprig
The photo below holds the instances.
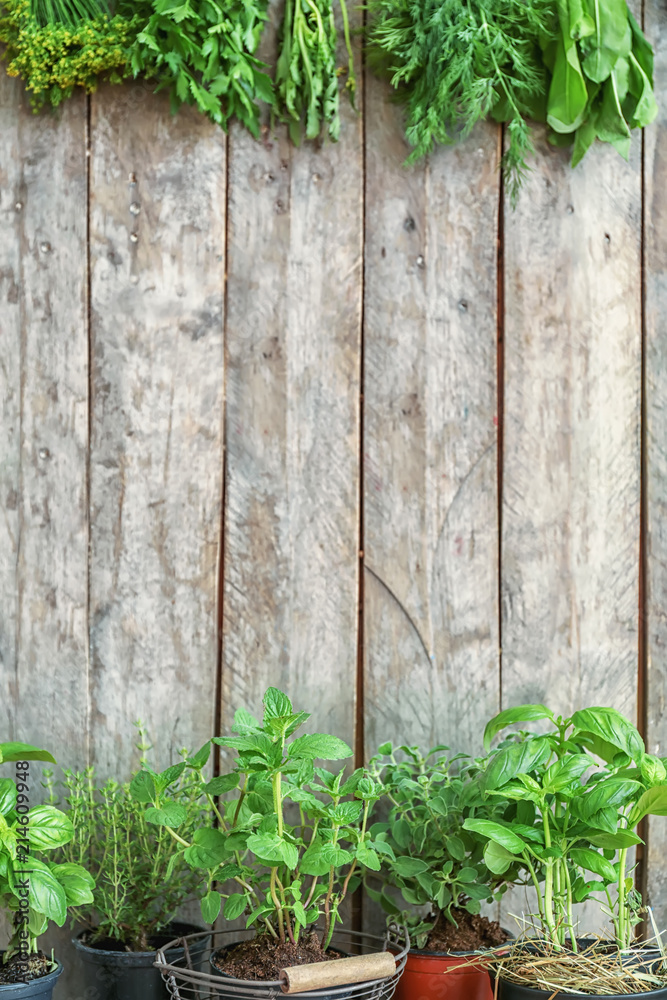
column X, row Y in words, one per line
column 454, row 62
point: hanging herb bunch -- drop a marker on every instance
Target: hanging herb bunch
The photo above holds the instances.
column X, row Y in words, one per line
column 58, row 45
column 203, row 53
column 454, row 62
column 601, row 69
column 582, row 66
column 307, row 76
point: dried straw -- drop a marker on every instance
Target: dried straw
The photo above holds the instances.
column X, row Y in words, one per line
column 599, row 969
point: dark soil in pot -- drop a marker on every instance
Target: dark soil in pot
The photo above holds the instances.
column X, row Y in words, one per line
column 261, row 958
column 472, row 934
column 112, row 973
column 38, row 987
column 15, row 970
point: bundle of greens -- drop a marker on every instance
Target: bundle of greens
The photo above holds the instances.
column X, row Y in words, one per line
column 202, row 51
column 601, row 69
column 54, row 56
column 582, row 66
column 70, row 12
column 454, row 62
column 306, row 72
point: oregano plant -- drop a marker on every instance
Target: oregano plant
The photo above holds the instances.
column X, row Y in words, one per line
column 291, row 840
column 430, row 858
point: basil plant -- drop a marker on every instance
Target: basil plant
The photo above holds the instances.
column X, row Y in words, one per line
column 581, row 788
column 33, row 889
column 291, row 838
column 432, row 859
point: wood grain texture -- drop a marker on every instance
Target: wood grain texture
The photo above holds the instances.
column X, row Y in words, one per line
column 571, row 467
column 157, row 271
column 10, row 391
column 44, row 555
column 430, row 438
column 292, row 423
column 655, row 210
column 570, row 531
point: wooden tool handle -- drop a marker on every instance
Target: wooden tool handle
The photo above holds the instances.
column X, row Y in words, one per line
column 338, row 972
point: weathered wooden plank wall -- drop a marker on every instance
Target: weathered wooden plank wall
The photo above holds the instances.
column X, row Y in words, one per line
column 304, row 417
column 654, row 606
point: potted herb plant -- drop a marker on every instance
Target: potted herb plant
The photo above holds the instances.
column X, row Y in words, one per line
column 33, row 888
column 581, row 788
column 432, row 861
column 141, row 877
column 291, row 843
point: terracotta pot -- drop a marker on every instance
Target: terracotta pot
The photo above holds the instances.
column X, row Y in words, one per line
column 426, row 977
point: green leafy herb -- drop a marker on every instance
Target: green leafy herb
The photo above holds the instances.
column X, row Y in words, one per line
column 602, row 76
column 140, row 873
column 291, row 838
column 33, row 888
column 580, row 790
column 453, row 63
column 306, row 72
column 427, row 854
column 203, row 52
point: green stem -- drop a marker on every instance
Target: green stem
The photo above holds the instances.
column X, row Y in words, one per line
column 277, row 800
column 623, row 936
column 177, row 837
column 536, row 884
column 570, row 921
column 548, row 883
column 276, row 904
column 351, row 82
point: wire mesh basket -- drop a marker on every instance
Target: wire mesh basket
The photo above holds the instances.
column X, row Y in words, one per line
column 185, row 982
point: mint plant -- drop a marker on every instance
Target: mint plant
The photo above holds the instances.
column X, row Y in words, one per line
column 292, row 839
column 33, row 889
column 128, row 855
column 430, row 858
column 580, row 789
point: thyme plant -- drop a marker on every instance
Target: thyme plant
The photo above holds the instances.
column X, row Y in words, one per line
column 141, row 881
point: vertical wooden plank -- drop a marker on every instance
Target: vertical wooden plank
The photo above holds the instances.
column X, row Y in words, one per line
column 10, row 396
column 293, row 335
column 655, row 209
column 157, row 270
column 43, row 643
column 571, row 470
column 430, row 437
column 572, row 449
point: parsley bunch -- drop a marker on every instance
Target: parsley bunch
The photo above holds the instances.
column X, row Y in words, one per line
column 454, row 62
column 202, row 51
column 55, row 58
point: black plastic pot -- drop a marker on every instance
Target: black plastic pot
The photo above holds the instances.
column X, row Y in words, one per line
column 35, row 989
column 512, row 991
column 130, row 975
